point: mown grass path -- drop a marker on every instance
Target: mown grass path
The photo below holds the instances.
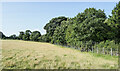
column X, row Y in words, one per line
column 17, row 54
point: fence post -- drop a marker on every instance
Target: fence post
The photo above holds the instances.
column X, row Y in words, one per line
column 92, row 49
column 103, row 50
column 117, row 52
column 111, row 51
column 97, row 49
column 106, row 51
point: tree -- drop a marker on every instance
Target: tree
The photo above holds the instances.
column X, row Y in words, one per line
column 13, row 36
column 87, row 26
column 70, row 35
column 114, row 22
column 92, row 29
column 72, row 29
column 44, row 38
column 21, row 35
column 60, row 33
column 34, row 36
column 27, row 35
column 52, row 25
column 2, row 36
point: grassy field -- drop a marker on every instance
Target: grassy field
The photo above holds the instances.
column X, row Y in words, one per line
column 18, row 54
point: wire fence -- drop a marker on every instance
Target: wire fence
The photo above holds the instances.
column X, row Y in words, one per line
column 106, row 51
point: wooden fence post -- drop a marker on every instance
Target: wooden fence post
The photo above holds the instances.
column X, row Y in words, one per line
column 103, row 50
column 117, row 52
column 97, row 49
column 111, row 51
column 92, row 49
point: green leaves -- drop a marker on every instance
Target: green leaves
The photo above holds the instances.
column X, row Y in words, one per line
column 21, row 35
column 35, row 35
column 114, row 22
column 87, row 26
column 27, row 35
column 52, row 25
column 59, row 34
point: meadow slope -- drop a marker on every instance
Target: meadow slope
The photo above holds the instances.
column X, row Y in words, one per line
column 17, row 54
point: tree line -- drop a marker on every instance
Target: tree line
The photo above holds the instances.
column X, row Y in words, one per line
column 27, row 36
column 85, row 29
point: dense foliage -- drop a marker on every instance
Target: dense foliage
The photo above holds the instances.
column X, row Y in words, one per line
column 87, row 28
column 51, row 26
column 114, row 22
column 35, row 35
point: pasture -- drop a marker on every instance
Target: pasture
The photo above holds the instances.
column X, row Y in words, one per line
column 17, row 54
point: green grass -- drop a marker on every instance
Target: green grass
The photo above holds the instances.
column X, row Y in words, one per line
column 108, row 57
column 17, row 54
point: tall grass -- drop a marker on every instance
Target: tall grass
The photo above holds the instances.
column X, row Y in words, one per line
column 17, row 54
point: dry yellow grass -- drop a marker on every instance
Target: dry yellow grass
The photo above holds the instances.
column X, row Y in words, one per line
column 18, row 54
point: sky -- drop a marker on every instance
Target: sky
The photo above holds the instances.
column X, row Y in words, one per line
column 21, row 16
